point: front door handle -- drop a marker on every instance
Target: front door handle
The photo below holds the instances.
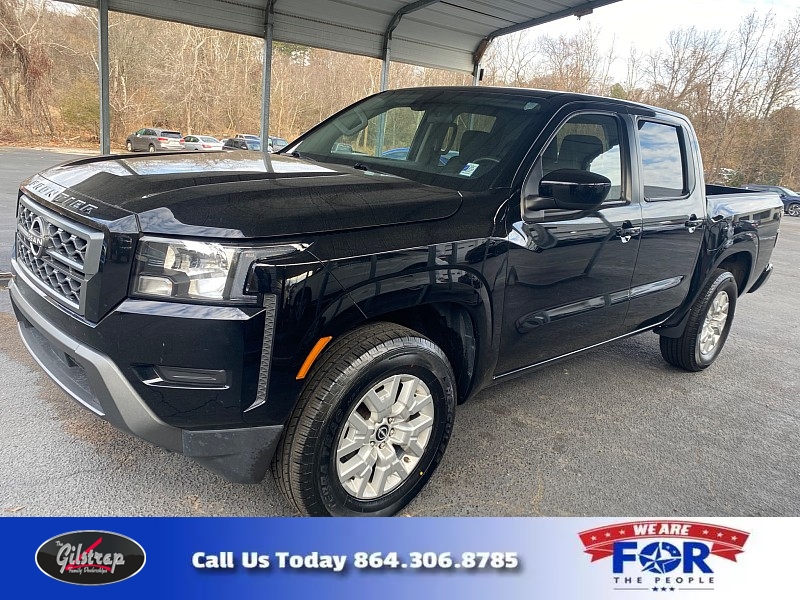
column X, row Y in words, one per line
column 693, row 223
column 627, row 231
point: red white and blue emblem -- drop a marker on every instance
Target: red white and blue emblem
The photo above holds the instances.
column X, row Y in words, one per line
column 663, row 556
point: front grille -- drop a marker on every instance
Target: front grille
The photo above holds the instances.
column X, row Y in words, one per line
column 61, row 255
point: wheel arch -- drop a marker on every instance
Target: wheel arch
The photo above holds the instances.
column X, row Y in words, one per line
column 738, row 258
column 452, row 308
column 740, row 264
column 451, row 327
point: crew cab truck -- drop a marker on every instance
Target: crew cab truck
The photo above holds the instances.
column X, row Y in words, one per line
column 323, row 310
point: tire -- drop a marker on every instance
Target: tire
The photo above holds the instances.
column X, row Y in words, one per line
column 706, row 331
column 151, row 148
column 129, row 146
column 793, row 209
column 379, row 365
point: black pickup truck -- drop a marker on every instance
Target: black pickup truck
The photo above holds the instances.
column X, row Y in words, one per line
column 323, row 310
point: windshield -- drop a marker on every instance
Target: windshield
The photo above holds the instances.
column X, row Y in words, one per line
column 450, row 138
column 210, row 139
column 788, row 192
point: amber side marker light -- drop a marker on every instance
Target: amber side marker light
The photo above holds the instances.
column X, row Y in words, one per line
column 312, row 356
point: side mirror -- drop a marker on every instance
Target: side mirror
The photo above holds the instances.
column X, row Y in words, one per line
column 569, row 189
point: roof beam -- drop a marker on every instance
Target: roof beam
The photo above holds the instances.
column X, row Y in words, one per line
column 408, row 8
column 577, row 11
column 387, row 36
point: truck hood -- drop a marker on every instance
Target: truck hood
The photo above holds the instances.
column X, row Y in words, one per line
column 237, row 195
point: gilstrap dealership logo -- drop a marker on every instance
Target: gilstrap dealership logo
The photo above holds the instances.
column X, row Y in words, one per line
column 663, row 556
column 90, row 557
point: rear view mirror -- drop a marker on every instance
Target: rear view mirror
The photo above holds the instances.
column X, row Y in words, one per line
column 569, row 189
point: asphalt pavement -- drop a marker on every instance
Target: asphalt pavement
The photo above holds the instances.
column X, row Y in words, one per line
column 613, row 432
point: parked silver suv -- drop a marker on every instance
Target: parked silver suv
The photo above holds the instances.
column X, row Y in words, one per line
column 153, row 139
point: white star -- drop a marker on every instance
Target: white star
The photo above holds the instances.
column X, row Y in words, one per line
column 734, row 538
column 622, row 532
column 705, row 531
column 594, row 538
column 719, row 535
column 608, row 534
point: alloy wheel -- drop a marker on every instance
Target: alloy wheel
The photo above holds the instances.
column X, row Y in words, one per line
column 714, row 323
column 385, row 437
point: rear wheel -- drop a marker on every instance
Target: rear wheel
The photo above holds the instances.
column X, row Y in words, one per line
column 371, row 425
column 151, row 148
column 794, row 210
column 129, row 146
column 710, row 320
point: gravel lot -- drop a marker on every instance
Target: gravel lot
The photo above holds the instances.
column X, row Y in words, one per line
column 613, row 432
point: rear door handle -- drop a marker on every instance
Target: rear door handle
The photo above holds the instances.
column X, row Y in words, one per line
column 627, row 231
column 693, row 223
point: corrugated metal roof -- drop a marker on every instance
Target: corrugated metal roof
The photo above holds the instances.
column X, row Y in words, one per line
column 441, row 34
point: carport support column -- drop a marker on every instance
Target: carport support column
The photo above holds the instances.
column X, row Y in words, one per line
column 102, row 68
column 387, row 58
column 476, row 74
column 266, row 75
column 477, row 58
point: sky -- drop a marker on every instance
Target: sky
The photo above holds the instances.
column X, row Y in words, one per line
column 647, row 23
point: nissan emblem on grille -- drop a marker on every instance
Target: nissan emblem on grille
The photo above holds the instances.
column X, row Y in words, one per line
column 37, row 238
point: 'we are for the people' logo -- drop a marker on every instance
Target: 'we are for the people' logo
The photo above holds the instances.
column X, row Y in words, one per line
column 663, row 556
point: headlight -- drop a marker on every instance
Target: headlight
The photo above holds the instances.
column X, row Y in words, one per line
column 189, row 270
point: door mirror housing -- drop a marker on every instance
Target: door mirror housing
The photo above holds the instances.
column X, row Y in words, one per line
column 569, row 189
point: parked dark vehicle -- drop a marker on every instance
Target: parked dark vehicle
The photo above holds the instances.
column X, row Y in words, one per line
column 241, row 144
column 154, row 140
column 791, row 200
column 325, row 308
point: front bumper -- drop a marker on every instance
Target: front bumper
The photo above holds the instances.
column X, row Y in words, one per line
column 240, row 455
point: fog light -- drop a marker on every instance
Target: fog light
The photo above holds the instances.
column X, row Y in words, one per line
column 183, row 377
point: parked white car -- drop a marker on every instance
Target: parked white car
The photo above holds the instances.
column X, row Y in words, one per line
column 201, row 142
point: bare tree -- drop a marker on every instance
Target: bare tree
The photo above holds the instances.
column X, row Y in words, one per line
column 25, row 65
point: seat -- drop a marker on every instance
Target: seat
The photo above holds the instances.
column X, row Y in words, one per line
column 474, row 144
column 578, row 151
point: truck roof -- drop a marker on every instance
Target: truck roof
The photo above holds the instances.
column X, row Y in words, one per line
column 565, row 96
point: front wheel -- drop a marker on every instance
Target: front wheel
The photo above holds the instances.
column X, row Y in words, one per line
column 710, row 320
column 793, row 209
column 371, row 425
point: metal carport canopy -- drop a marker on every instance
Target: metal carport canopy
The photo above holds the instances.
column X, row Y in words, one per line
column 451, row 34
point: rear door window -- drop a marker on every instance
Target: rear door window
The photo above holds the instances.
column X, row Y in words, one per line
column 664, row 165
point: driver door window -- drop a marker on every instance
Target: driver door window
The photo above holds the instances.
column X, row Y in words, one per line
column 588, row 142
